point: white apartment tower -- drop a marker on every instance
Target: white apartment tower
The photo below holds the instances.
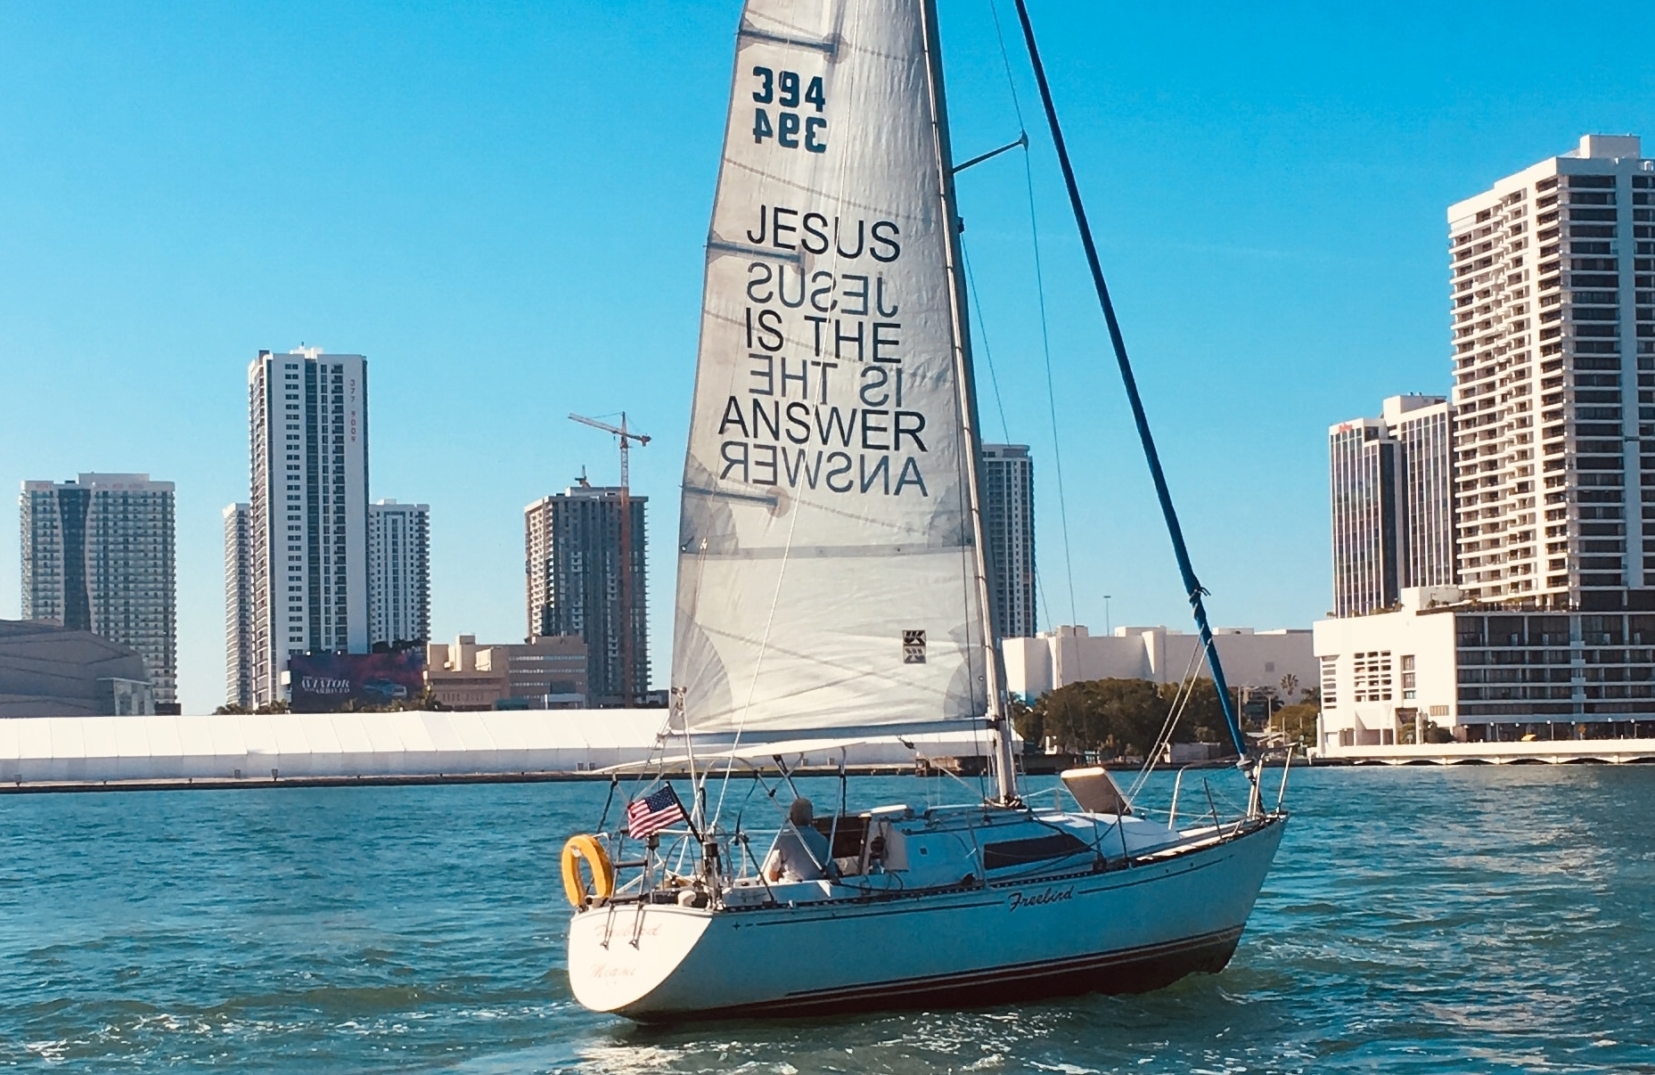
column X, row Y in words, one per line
column 308, row 513
column 1553, row 303
column 399, row 573
column 1391, row 487
column 98, row 555
column 238, row 607
column 1008, row 526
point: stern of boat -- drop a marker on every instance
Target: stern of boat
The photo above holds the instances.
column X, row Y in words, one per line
column 620, row 953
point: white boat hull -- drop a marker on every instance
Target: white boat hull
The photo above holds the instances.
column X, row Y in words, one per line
column 1128, row 929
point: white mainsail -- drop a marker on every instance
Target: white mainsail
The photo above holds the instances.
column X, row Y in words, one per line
column 827, row 575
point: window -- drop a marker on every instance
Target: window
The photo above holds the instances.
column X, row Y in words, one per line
column 1372, row 678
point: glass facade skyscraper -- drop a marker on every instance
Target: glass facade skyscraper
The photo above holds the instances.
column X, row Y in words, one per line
column 99, row 556
column 1391, row 487
column 1008, row 524
column 575, row 584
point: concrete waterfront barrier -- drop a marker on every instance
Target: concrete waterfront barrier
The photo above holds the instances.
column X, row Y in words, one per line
column 314, row 746
column 88, row 753
column 1532, row 752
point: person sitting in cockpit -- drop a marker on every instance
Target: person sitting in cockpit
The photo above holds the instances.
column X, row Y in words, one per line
column 800, row 852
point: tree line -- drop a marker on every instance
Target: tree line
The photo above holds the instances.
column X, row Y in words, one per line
column 1120, row 716
column 1116, row 717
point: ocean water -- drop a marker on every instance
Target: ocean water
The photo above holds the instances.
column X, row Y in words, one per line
column 1417, row 920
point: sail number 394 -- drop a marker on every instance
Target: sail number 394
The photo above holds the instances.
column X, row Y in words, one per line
column 791, row 128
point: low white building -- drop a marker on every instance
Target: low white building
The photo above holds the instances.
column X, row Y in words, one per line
column 1385, row 675
column 1483, row 673
column 1253, row 659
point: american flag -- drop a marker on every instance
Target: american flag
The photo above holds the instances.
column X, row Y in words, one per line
column 653, row 812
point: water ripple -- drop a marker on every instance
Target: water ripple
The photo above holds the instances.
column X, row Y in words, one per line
column 1487, row 919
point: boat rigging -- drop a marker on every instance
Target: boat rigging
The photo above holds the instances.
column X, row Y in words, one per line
column 833, row 589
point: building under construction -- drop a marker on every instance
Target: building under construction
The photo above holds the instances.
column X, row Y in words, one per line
column 581, row 577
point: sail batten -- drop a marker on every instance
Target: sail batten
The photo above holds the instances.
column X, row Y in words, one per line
column 828, row 573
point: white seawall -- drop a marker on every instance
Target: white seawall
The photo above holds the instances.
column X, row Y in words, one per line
column 369, row 746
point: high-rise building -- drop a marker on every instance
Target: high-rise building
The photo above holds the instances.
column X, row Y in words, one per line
column 308, row 513
column 399, row 573
column 1423, row 429
column 579, row 582
column 238, row 605
column 1552, row 293
column 1391, row 487
column 1362, row 488
column 1553, row 300
column 1008, row 524
column 98, row 555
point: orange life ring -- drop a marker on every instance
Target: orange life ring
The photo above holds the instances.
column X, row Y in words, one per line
column 586, row 848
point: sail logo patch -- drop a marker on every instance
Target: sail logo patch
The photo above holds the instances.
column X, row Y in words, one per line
column 913, row 647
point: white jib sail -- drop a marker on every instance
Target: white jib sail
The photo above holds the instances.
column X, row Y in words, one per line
column 827, row 575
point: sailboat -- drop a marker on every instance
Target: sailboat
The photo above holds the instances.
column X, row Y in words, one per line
column 832, row 589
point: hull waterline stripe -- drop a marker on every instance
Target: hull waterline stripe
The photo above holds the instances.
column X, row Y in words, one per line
column 1160, row 963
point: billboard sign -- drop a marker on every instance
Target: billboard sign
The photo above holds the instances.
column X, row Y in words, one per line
column 330, row 682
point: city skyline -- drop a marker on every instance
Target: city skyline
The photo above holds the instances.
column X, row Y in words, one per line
column 1292, row 196
column 1550, row 443
column 1524, row 488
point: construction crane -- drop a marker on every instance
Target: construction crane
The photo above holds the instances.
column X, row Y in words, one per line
column 625, row 436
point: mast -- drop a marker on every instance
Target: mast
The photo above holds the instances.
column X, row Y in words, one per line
column 1192, row 586
column 1004, row 758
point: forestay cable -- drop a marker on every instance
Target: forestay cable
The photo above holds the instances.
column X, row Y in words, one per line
column 1186, row 570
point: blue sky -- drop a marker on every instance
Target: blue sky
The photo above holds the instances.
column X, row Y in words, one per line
column 503, row 207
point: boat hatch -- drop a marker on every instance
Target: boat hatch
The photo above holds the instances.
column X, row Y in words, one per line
column 1035, row 849
column 863, row 844
column 1095, row 790
column 846, row 832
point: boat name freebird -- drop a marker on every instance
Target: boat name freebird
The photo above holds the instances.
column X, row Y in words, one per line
column 1017, row 901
